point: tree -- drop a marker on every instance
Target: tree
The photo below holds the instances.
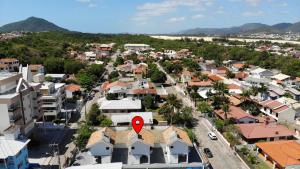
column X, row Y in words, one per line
column 113, row 75
column 49, row 79
column 186, row 115
column 158, row 77
column 93, row 114
column 225, row 108
column 112, row 96
column 73, row 66
column 83, row 134
column 288, row 95
column 220, row 124
column 174, row 104
column 106, row 123
column 119, row 61
column 229, row 74
column 96, row 70
column 220, row 87
column 204, row 107
column 148, row 102
column 191, row 134
column 54, row 65
column 85, row 80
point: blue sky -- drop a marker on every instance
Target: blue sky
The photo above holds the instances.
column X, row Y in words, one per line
column 150, row 16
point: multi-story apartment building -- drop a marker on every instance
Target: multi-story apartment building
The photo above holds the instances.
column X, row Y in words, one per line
column 52, row 99
column 18, row 103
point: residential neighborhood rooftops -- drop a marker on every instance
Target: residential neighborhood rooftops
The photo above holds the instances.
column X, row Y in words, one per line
column 172, row 131
column 200, row 83
column 285, row 153
column 261, row 130
column 9, row 60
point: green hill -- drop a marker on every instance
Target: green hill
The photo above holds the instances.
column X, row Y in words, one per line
column 31, row 24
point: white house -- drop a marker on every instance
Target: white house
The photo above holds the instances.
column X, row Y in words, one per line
column 278, row 111
column 137, row 47
column 177, row 145
column 125, row 105
column 101, row 143
column 126, row 118
column 261, row 73
column 169, row 144
column 90, row 55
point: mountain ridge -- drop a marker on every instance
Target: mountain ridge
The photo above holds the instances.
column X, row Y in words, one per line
column 31, row 24
column 247, row 28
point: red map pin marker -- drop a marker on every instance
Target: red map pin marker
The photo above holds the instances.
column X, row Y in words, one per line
column 137, row 123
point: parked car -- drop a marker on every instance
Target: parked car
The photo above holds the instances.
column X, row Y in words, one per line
column 212, row 136
column 208, row 152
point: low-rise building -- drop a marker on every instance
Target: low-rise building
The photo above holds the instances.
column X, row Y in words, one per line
column 122, row 118
column 238, row 115
column 282, row 154
column 264, row 131
column 10, row 64
column 278, row 111
column 164, row 147
column 125, row 105
column 71, row 90
column 137, row 47
column 13, row 153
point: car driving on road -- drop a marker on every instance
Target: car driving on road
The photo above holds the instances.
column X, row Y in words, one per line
column 212, row 136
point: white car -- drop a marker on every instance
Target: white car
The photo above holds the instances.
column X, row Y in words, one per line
column 212, row 136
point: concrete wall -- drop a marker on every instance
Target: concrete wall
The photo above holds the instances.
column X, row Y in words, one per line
column 4, row 120
column 287, row 116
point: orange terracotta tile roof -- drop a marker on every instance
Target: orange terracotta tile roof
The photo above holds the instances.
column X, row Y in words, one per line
column 233, row 86
column 297, row 79
column 8, row 60
column 261, row 130
column 241, row 75
column 284, row 153
column 35, row 67
column 214, row 77
column 200, row 84
column 73, row 87
column 234, row 113
column 106, row 85
column 276, row 106
column 238, row 65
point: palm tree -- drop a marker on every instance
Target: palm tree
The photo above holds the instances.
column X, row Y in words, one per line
column 220, row 87
column 174, row 104
column 246, row 94
column 225, row 108
column 186, row 115
column 204, row 107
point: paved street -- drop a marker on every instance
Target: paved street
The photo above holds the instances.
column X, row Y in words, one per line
column 224, row 157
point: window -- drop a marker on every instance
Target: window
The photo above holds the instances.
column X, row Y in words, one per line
column 171, row 147
column 132, row 148
column 107, row 148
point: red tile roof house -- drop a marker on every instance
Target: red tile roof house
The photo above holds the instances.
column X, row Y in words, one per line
column 255, row 132
column 238, row 115
column 282, row 154
column 277, row 110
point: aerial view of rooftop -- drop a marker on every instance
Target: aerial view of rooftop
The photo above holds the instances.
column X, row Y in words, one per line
column 149, row 84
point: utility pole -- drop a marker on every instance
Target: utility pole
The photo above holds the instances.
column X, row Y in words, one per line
column 56, row 153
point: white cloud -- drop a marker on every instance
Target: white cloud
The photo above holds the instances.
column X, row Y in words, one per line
column 90, row 3
column 175, row 20
column 199, row 16
column 149, row 10
column 253, row 13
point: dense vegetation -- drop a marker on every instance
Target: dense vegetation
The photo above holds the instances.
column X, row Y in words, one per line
column 35, row 47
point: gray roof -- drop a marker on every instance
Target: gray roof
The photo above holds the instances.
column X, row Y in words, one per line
column 124, row 104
